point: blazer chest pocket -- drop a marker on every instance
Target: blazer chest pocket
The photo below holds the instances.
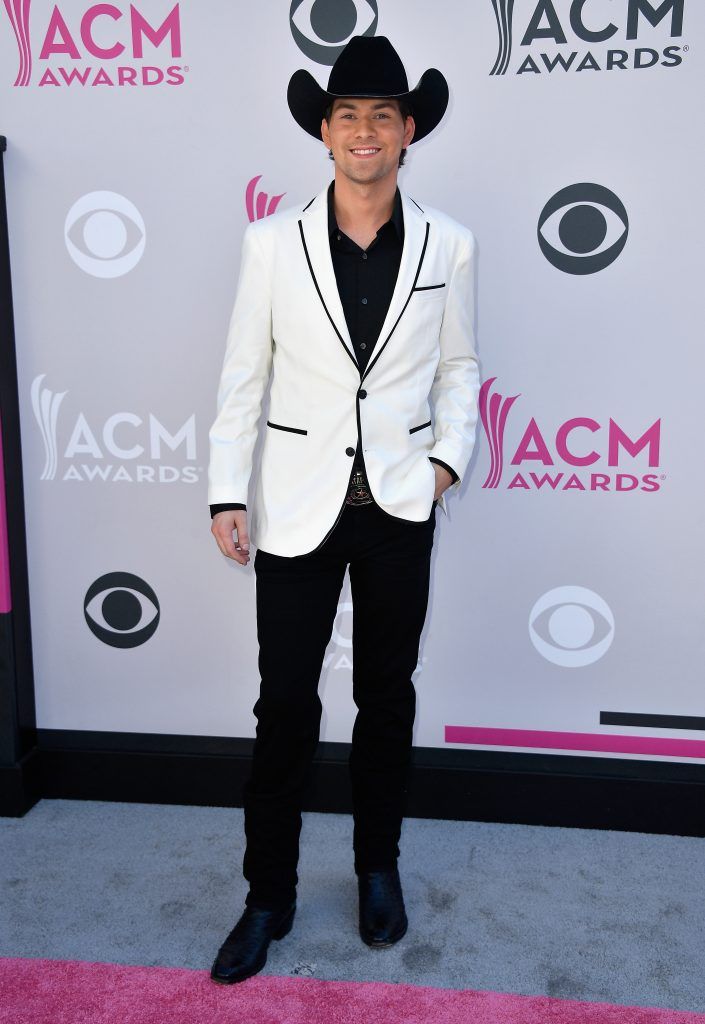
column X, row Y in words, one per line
column 429, row 301
column 419, row 426
column 280, row 426
column 430, row 294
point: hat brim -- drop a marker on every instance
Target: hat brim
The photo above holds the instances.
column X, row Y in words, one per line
column 428, row 101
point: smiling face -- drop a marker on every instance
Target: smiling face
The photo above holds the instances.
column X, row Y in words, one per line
column 366, row 137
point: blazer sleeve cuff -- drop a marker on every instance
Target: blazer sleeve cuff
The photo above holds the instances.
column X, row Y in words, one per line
column 226, row 507
column 445, row 465
column 448, row 455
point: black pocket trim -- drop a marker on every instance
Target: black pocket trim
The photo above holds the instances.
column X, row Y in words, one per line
column 420, row 427
column 429, row 287
column 294, row 430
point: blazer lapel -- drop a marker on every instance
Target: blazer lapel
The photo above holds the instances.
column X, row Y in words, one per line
column 416, row 230
column 313, row 227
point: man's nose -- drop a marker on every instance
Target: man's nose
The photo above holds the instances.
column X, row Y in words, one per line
column 365, row 128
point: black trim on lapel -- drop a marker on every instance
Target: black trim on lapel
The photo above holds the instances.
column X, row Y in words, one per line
column 416, row 204
column 320, row 296
column 307, row 205
column 411, row 292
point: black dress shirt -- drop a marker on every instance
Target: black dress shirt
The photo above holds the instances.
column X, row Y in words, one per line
column 366, row 279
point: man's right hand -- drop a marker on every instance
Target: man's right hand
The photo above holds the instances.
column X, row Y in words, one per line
column 222, row 526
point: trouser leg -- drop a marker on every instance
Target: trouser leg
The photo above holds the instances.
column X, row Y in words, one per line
column 297, row 599
column 389, row 577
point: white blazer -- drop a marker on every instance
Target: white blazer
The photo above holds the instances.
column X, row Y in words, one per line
column 417, row 397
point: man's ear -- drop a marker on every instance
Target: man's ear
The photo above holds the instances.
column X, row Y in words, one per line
column 409, row 129
column 325, row 134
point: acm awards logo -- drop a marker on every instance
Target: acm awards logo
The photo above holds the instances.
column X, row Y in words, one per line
column 322, row 28
column 124, row 448
column 587, row 35
column 578, row 443
column 121, row 609
column 260, row 204
column 89, row 46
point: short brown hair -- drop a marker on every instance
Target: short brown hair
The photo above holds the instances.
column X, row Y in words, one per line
column 404, row 110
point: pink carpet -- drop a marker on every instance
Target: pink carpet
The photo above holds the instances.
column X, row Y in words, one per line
column 74, row 992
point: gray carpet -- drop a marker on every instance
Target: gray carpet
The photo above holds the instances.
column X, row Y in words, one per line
column 573, row 913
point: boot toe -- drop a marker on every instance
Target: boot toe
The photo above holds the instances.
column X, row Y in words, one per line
column 244, row 951
column 383, row 919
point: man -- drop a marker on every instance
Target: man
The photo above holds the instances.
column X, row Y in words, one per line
column 360, row 306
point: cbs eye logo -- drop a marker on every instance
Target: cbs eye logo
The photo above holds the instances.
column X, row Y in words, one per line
column 322, row 28
column 121, row 610
column 571, row 626
column 105, row 234
column 583, row 228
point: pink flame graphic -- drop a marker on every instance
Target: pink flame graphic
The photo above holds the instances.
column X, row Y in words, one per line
column 493, row 413
column 259, row 209
column 18, row 13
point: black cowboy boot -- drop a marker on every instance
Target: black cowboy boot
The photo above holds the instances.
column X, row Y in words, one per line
column 244, row 951
column 383, row 918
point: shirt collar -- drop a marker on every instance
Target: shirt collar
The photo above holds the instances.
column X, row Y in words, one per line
column 397, row 217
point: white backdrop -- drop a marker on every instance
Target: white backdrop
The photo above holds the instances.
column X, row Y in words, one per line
column 567, row 597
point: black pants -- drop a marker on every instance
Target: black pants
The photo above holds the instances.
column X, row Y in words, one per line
column 297, row 600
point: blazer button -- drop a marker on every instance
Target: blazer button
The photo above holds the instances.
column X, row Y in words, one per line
column 362, row 393
column 349, row 451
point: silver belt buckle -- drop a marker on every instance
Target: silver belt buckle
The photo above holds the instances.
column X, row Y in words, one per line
column 359, row 491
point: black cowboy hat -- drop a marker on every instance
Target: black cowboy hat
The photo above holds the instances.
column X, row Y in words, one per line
column 369, row 66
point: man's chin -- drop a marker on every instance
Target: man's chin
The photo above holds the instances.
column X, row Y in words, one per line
column 364, row 175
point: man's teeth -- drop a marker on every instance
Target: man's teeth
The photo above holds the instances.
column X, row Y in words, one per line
column 365, row 151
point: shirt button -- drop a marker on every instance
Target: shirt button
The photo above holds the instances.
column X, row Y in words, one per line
column 338, row 237
column 349, row 451
column 364, row 302
column 363, row 344
column 364, row 255
column 362, row 393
